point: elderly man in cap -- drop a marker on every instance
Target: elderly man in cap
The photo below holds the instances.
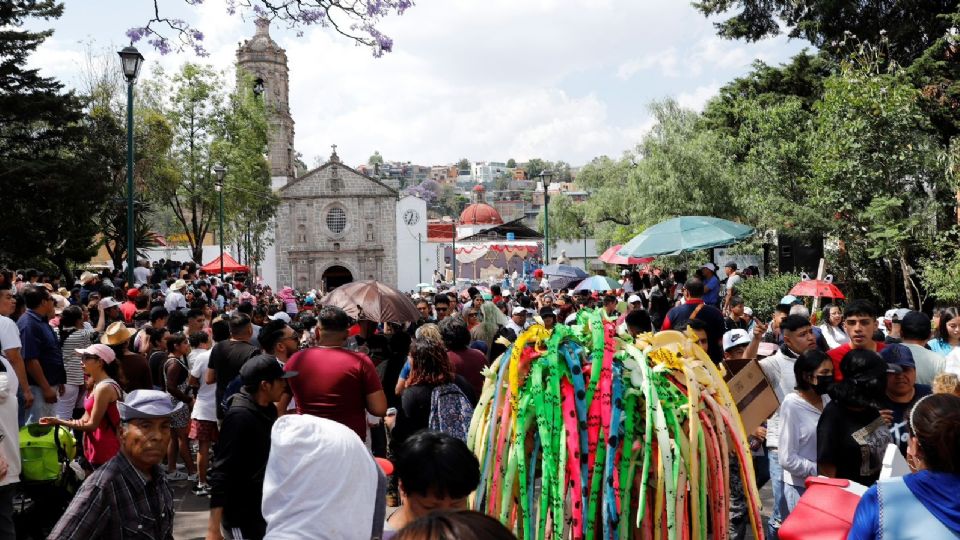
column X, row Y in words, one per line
column 128, row 497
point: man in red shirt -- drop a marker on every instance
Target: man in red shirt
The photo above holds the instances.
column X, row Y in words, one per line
column 860, row 323
column 333, row 382
column 466, row 362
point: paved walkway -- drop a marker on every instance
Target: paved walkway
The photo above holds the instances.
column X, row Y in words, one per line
column 190, row 522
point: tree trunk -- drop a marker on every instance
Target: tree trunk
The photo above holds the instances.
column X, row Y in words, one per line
column 907, row 286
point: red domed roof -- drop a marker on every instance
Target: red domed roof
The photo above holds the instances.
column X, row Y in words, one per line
column 479, row 187
column 480, row 214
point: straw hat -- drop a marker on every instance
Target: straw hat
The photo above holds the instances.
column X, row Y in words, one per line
column 178, row 284
column 116, row 334
column 87, row 277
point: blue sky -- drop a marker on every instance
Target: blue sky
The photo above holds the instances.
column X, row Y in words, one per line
column 481, row 79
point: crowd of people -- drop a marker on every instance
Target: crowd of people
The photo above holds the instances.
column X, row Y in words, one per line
column 257, row 399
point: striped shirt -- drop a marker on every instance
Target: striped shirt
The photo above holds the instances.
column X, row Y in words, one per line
column 78, row 339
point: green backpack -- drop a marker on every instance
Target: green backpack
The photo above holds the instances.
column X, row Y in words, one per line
column 45, row 451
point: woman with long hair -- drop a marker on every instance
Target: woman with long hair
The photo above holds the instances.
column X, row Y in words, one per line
column 831, row 327
column 799, row 414
column 101, row 418
column 922, row 504
column 947, row 336
column 430, row 368
column 427, row 331
column 73, row 336
column 175, row 374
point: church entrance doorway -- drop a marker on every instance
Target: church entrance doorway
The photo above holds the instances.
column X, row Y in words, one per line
column 335, row 276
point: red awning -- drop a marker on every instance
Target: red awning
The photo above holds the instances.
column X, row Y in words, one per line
column 230, row 265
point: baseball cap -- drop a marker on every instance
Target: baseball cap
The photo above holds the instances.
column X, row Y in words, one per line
column 108, row 303
column 519, row 311
column 624, row 272
column 633, row 299
column 280, row 316
column 899, row 314
column 735, row 338
column 100, row 351
column 133, row 293
column 547, row 312
column 709, row 266
column 748, row 311
column 263, row 367
column 898, row 357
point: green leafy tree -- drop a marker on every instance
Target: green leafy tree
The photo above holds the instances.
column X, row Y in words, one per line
column 195, row 113
column 877, row 165
column 239, row 143
column 48, row 158
column 536, row 166
column 511, row 163
column 375, row 159
column 568, row 220
column 909, row 27
column 463, row 164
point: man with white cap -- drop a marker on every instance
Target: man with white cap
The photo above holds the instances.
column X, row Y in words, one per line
column 128, row 497
column 518, row 320
column 175, row 300
column 711, row 285
column 110, row 310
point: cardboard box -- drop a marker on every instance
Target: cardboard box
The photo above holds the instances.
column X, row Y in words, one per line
column 754, row 396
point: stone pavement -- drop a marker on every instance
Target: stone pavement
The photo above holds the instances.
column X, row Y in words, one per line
column 190, row 522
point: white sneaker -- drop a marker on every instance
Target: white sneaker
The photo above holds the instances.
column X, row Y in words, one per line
column 176, row 476
column 192, row 477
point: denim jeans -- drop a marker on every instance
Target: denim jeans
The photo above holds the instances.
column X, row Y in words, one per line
column 792, row 494
column 779, row 511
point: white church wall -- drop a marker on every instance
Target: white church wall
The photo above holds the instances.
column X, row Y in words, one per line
column 412, row 244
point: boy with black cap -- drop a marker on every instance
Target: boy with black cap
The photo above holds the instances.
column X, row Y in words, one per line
column 236, row 478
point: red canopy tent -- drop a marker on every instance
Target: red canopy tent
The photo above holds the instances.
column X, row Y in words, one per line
column 230, row 266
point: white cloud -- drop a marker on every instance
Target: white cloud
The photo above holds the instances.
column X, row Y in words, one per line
column 698, row 97
column 482, row 79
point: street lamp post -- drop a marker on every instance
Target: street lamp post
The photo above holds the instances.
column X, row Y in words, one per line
column 545, row 178
column 130, row 62
column 220, row 171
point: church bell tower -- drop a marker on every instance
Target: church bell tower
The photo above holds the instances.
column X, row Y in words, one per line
column 266, row 62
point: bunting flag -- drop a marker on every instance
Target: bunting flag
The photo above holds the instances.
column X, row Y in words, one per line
column 585, row 434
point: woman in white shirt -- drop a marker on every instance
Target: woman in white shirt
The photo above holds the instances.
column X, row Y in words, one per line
column 799, row 414
column 831, row 326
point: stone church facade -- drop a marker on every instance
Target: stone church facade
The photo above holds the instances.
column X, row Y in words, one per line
column 336, row 225
column 333, row 224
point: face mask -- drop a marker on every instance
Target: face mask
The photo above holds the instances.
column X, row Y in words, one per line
column 823, row 384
